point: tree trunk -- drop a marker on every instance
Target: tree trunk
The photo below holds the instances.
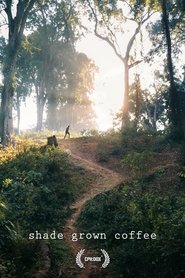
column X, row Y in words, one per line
column 125, row 115
column 6, row 120
column 16, row 26
column 52, row 113
column 174, row 113
column 154, row 121
column 18, row 114
column 41, row 101
column 40, row 111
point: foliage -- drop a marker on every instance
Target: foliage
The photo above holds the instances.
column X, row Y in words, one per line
column 38, row 185
column 58, row 75
column 169, row 40
column 15, row 15
column 148, row 106
column 109, row 143
column 89, row 133
column 30, row 184
column 62, row 257
column 132, row 208
column 121, row 144
column 8, row 153
column 138, row 162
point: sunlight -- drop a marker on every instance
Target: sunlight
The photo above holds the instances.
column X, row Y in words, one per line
column 108, row 93
column 29, row 114
column 108, row 97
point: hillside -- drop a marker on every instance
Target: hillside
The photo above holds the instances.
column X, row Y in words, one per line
column 111, row 184
column 151, row 170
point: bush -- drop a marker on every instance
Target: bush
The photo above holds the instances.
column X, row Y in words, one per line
column 38, row 186
column 138, row 162
column 128, row 209
column 109, row 143
column 89, row 133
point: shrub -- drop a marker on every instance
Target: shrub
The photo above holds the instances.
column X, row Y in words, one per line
column 138, row 162
column 128, row 208
column 109, row 143
column 89, row 133
column 38, row 185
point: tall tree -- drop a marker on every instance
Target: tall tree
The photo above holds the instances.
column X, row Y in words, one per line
column 110, row 19
column 174, row 108
column 172, row 39
column 148, row 104
column 23, row 80
column 56, row 23
column 68, row 82
column 16, row 17
column 75, row 106
column 136, row 100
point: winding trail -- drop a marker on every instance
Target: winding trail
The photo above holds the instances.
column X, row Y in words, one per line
column 106, row 179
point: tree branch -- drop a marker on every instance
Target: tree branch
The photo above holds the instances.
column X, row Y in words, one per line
column 131, row 41
column 10, row 18
column 25, row 15
column 103, row 37
column 135, row 64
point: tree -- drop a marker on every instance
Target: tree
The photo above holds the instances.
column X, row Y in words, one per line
column 44, row 70
column 16, row 26
column 64, row 79
column 48, row 48
column 110, row 18
column 23, row 83
column 148, row 105
column 61, row 76
column 75, row 106
column 174, row 107
column 171, row 39
column 58, row 28
column 136, row 101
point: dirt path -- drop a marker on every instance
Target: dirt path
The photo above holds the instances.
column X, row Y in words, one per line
column 106, row 179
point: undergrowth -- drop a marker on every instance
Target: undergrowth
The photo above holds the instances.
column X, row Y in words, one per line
column 37, row 186
column 130, row 208
column 153, row 202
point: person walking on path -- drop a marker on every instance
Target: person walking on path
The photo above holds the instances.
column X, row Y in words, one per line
column 67, row 132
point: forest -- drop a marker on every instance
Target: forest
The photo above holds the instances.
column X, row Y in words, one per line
column 126, row 183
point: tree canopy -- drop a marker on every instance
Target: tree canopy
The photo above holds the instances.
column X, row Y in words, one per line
column 39, row 58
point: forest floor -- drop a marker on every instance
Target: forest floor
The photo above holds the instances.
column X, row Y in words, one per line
column 105, row 180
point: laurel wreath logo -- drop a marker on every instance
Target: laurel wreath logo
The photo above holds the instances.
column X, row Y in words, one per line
column 107, row 258
column 78, row 258
column 81, row 252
